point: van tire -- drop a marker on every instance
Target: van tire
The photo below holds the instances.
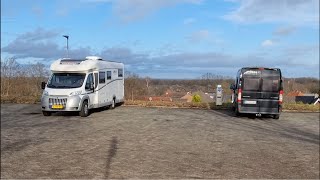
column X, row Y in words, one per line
column 84, row 112
column 276, row 116
column 46, row 113
column 113, row 104
column 236, row 112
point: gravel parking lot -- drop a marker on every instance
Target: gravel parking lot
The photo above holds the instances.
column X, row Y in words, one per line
column 136, row 142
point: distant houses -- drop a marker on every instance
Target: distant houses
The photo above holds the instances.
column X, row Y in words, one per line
column 298, row 96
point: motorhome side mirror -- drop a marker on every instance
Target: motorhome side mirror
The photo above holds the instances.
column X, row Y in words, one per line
column 43, row 85
column 92, row 86
column 232, row 86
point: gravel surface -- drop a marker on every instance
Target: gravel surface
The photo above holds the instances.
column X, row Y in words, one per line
column 137, row 142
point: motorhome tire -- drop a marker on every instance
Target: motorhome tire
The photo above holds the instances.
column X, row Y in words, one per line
column 84, row 109
column 46, row 113
column 113, row 105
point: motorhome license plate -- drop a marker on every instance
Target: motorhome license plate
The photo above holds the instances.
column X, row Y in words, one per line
column 57, row 106
column 250, row 102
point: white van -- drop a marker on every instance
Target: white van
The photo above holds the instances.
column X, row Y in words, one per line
column 81, row 85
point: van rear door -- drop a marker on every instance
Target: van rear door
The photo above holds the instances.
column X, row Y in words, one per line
column 251, row 83
column 260, row 90
column 270, row 87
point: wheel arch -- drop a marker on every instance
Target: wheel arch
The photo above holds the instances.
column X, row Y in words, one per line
column 84, row 98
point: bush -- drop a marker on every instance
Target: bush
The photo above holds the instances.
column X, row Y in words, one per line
column 196, row 98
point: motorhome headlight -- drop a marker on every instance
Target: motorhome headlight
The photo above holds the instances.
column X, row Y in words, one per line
column 75, row 93
column 45, row 93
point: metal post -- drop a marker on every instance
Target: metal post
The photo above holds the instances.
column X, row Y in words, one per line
column 66, row 36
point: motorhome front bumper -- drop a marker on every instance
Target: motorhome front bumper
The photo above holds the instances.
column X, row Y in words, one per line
column 60, row 103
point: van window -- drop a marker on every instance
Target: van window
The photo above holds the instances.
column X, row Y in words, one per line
column 102, row 77
column 271, row 85
column 120, row 72
column 89, row 82
column 251, row 84
column 108, row 75
column 270, row 80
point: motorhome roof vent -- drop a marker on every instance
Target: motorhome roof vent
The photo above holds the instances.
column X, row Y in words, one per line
column 93, row 58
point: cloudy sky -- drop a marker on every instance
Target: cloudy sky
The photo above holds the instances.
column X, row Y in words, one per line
column 167, row 38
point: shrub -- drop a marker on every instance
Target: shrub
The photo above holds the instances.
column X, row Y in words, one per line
column 196, row 98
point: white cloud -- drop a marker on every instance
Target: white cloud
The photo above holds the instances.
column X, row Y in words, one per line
column 296, row 12
column 267, row 43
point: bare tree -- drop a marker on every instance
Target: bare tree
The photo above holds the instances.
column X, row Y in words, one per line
column 133, row 86
column 9, row 69
column 148, row 80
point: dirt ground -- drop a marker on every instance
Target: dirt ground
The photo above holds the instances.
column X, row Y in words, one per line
column 136, row 142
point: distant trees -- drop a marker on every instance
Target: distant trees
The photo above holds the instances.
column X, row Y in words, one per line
column 304, row 84
column 134, row 86
column 25, row 80
column 9, row 69
column 17, row 79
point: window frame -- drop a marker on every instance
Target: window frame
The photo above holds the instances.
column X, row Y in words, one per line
column 88, row 82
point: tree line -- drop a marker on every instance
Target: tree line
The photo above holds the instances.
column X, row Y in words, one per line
column 19, row 80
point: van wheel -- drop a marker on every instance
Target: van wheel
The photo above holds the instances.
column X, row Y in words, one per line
column 84, row 109
column 113, row 105
column 236, row 112
column 277, row 116
column 46, row 113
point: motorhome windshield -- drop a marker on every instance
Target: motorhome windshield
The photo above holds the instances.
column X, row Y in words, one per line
column 66, row 80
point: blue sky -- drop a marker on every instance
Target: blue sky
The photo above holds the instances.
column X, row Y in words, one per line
column 167, row 38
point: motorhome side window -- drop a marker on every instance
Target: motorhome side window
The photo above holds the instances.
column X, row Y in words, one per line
column 120, row 72
column 102, row 77
column 108, row 75
column 89, row 81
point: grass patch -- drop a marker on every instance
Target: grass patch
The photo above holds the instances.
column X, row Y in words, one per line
column 301, row 107
column 213, row 106
column 286, row 106
column 21, row 99
column 177, row 104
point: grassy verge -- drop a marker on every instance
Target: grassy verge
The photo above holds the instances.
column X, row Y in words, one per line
column 301, row 107
column 21, row 99
column 177, row 104
column 286, row 106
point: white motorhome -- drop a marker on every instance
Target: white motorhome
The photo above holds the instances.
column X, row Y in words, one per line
column 81, row 85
